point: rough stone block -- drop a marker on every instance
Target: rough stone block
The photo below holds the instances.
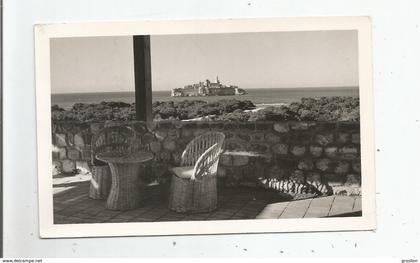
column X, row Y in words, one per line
column 226, row 160
column 176, row 156
column 258, row 147
column 186, row 132
column 229, row 135
column 356, row 165
column 299, row 126
column 60, row 139
column 165, row 156
column 96, row 127
column 169, row 145
column 173, row 134
column 280, row 148
column 323, row 164
column 221, row 172
column 262, row 126
column 306, row 165
column 315, row 150
column 331, row 152
column 86, row 154
column 247, row 125
column 342, row 167
column 82, row 167
column 235, row 145
column 59, row 153
column 281, row 127
column 355, row 138
column 257, row 136
column 298, row 150
column 333, row 179
column 353, row 179
column 73, row 154
column 243, row 136
column 302, row 138
column 78, row 140
column 198, row 132
column 230, row 126
column 57, row 168
column 348, row 152
column 324, row 139
column 297, row 176
column 349, row 126
column 240, row 160
column 165, row 124
column 70, row 139
column 216, row 126
column 147, row 138
column 272, row 138
column 68, row 166
column 161, row 134
column 155, row 147
column 343, row 138
column 276, row 172
column 313, row 177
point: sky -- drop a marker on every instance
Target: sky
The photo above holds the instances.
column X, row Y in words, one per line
column 248, row 60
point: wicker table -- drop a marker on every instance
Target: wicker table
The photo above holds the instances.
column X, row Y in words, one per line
column 124, row 194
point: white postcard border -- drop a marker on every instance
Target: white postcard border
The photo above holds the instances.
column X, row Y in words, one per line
column 43, row 34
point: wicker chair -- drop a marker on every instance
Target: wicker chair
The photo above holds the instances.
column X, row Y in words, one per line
column 194, row 184
column 116, row 139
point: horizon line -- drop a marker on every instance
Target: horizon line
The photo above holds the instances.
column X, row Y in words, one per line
column 317, row 87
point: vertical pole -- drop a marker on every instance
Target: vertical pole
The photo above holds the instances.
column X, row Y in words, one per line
column 142, row 78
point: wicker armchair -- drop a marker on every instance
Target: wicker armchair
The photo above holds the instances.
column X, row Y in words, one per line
column 194, row 184
column 116, row 139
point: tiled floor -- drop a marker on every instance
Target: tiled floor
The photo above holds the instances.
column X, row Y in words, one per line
column 72, row 205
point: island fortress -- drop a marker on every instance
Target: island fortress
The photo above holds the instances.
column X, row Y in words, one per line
column 207, row 89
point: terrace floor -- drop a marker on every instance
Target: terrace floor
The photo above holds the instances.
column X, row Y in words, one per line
column 72, row 205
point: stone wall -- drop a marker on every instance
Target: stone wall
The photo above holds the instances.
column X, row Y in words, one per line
column 322, row 154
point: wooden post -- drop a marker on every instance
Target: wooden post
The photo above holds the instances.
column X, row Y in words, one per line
column 142, row 78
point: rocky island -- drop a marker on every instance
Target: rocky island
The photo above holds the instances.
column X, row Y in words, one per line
column 207, row 88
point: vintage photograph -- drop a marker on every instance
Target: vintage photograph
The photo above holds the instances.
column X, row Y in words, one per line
column 206, row 126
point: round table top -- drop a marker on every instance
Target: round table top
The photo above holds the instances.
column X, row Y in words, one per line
column 116, row 157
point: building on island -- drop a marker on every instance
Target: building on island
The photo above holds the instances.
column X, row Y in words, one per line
column 207, row 89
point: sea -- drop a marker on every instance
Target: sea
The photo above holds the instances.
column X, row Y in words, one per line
column 259, row 97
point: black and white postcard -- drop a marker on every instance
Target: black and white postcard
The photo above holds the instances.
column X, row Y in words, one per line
column 205, row 126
